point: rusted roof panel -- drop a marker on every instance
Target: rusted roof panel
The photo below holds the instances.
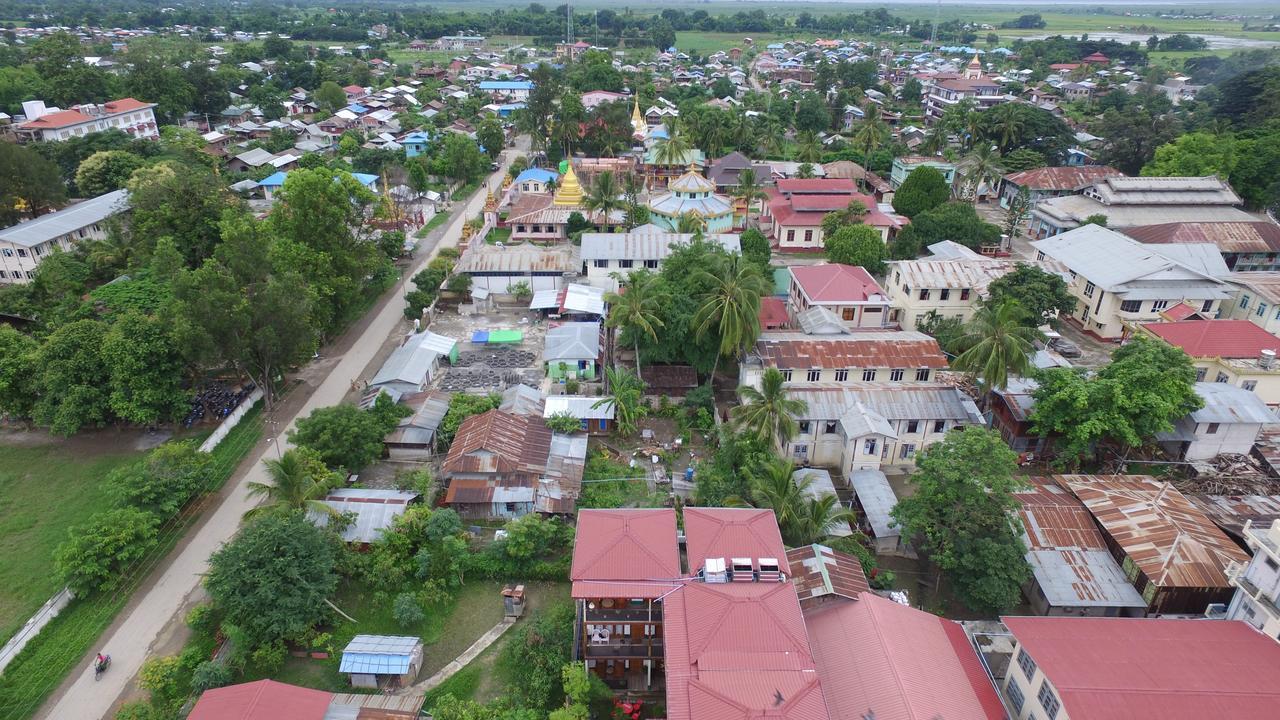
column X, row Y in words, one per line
column 818, row 571
column 1230, row 237
column 497, row 442
column 1061, row 179
column 908, row 349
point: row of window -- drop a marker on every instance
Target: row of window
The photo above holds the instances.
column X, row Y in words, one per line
column 906, row 451
column 17, row 275
column 791, row 236
column 1224, row 378
column 868, row 375
column 1048, row 700
column 536, row 228
column 624, row 264
column 943, row 295
column 829, row 427
column 1261, row 310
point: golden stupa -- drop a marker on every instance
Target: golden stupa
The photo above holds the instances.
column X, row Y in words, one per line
column 569, row 193
column 490, row 202
column 637, row 120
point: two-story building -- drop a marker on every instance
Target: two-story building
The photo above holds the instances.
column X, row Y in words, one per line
column 1085, row 668
column 1136, row 201
column 902, row 167
column 134, row 117
column 943, row 92
column 536, row 180
column 642, row 248
column 854, row 359
column 1050, row 182
column 1235, row 352
column 1119, row 283
column 1257, row 598
column 795, row 208
column 515, row 90
column 847, row 291
column 25, row 245
column 1257, row 299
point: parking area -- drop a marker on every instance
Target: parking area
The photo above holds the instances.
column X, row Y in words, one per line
column 1093, row 352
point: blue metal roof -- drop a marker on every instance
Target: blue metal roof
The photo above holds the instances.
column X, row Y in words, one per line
column 506, row 85
column 537, row 175
column 378, row 654
column 357, row 108
column 365, row 179
column 275, row 179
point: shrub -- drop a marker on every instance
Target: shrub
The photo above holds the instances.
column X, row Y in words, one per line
column 572, row 386
column 103, row 549
column 202, row 620
column 137, row 710
column 270, row 657
column 209, row 675
column 407, row 611
column 165, row 679
column 563, row 422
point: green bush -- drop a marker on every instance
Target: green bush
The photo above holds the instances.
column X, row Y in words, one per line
column 101, row 550
column 407, row 611
column 210, row 674
column 270, row 657
column 137, row 710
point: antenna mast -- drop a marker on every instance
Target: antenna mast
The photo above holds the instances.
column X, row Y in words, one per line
column 933, row 34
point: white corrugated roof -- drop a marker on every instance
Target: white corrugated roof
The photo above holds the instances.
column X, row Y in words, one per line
column 67, row 220
column 877, row 499
column 583, row 408
column 1118, row 264
column 647, row 242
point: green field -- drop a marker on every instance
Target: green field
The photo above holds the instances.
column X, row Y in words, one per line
column 705, row 43
column 43, row 492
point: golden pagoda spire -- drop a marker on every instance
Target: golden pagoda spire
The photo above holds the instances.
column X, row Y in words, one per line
column 637, row 120
column 490, row 202
column 570, row 191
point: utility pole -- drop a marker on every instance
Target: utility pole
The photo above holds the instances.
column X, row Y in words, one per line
column 933, row 35
column 568, row 23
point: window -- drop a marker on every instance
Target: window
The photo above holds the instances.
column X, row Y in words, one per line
column 922, row 374
column 869, row 446
column 908, row 451
column 520, row 228
column 897, row 277
column 602, row 263
column 939, row 426
column 1221, row 378
column 1040, row 255
column 22, row 252
column 800, row 451
column 791, row 236
column 1212, row 429
column 39, row 250
column 1200, row 374
column 1262, row 309
column 906, row 289
column 1244, row 302
column 846, row 314
column 913, row 426
column 1158, row 305
column 869, row 375
column 786, row 375
column 1271, row 563
column 1027, row 664
column 1249, row 385
column 813, row 375
column 808, row 236
column 1048, row 700
column 1207, row 306
column 842, row 375
column 3, row 274
column 1088, row 289
column 8, row 252
column 625, row 263
column 896, row 375
column 1130, row 305
column 964, row 294
column 804, row 427
column 651, row 264
column 924, row 294
column 829, row 427
column 1015, row 696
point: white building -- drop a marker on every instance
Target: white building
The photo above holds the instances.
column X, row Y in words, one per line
column 1257, row 299
column 1136, row 201
column 51, row 124
column 1119, row 282
column 644, row 247
column 24, row 245
column 1228, row 424
column 1257, row 598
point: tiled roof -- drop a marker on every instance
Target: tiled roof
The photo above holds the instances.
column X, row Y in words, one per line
column 817, row 571
column 835, row 283
column 1114, row 668
column 1158, row 529
column 496, row 442
column 1065, row 178
column 906, row 349
column 1215, row 338
column 730, row 533
column 876, row 656
column 262, row 700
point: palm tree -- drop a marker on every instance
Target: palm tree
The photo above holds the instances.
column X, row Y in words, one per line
column 603, row 198
column 771, row 487
column 626, row 393
column 772, row 139
column 672, row 149
column 749, row 190
column 118, row 251
column 808, row 147
column 768, row 413
column 1009, row 122
column 983, row 165
column 816, row 517
column 934, row 140
column 691, row 223
column 871, row 134
column 732, row 307
column 805, row 171
column 293, row 486
column 632, row 186
column 996, row 342
column 637, row 308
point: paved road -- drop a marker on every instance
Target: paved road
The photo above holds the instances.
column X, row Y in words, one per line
column 134, row 635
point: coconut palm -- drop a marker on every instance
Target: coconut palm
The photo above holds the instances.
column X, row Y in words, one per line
column 808, row 147
column 749, row 190
column 772, row 139
column 981, row 166
column 1009, row 123
column 691, row 223
column 673, row 149
column 603, row 197
column 816, row 517
column 632, row 186
column 768, row 413
column 732, row 308
column 118, row 251
column 626, row 392
column 997, row 341
column 636, row 309
column 770, row 486
column 870, row 136
column 805, row 171
column 293, row 486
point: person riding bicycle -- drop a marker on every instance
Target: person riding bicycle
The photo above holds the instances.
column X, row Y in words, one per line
column 100, row 662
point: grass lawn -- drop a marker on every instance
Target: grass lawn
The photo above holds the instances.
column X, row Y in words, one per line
column 43, row 492
column 47, row 659
column 706, row 43
column 499, row 235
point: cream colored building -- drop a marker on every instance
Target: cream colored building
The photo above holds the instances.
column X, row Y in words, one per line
column 1119, row 283
column 1257, row 299
column 1235, row 352
column 1257, row 598
column 25, row 245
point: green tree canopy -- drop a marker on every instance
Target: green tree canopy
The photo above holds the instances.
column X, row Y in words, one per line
column 1194, row 155
column 956, row 221
column 924, row 189
column 75, row 384
column 961, row 516
column 857, row 245
column 165, row 480
column 997, row 342
column 105, row 171
column 344, row 436
column 100, row 551
column 1042, row 294
column 28, row 183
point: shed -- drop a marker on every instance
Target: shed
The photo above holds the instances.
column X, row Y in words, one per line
column 819, row 486
column 411, row 366
column 375, row 510
column 874, row 500
column 594, row 420
column 414, row 437
column 572, row 350
column 375, row 661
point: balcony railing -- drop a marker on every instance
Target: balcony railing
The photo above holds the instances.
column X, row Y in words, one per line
column 604, row 615
column 643, row 649
column 1257, row 595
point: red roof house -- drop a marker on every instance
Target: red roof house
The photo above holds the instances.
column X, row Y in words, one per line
column 877, row 658
column 618, row 550
column 795, row 208
column 262, row 700
column 833, row 283
column 773, row 313
column 731, row 533
column 1126, row 668
column 1229, row 339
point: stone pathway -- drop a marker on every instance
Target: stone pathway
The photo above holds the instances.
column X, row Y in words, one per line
column 461, row 661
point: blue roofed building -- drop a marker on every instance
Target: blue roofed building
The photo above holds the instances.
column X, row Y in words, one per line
column 416, row 143
column 536, row 180
column 692, row 194
column 382, row 661
column 507, row 89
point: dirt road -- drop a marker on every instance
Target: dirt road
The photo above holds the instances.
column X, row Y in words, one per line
column 134, row 633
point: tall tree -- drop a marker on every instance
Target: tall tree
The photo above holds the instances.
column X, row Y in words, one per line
column 769, row 413
column 859, row 245
column 924, row 189
column 626, row 393
column 637, row 309
column 18, row 372
column 997, row 342
column 1042, row 294
column 145, row 370
column 29, row 184
column 674, row 148
column 808, row 147
column 74, row 385
column 298, row 480
column 749, row 190
column 603, row 197
column 732, row 307
column 104, row 171
column 981, row 167
column 961, row 516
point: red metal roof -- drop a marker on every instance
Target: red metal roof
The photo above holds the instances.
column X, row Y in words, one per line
column 619, row 545
column 773, row 313
column 811, row 186
column 1059, row 179
column 874, row 655
column 1124, row 668
column 262, row 700
column 1215, row 338
column 64, row 118
column 909, row 350
column 731, row 533
column 835, row 283
column 1181, row 311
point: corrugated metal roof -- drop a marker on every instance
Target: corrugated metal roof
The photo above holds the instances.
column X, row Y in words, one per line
column 626, row 544
column 834, row 283
column 903, row 349
column 523, row 258
column 1077, row 208
column 905, row 402
column 1158, row 529
column 1058, row 179
column 1127, row 268
column 1215, row 338
column 1224, row 403
column 67, row 220
column 647, row 242
column 730, row 532
column 817, row 320
column 499, row 443
column 1123, row 190
column 820, row 486
column 261, row 700
column 579, row 298
column 1229, row 237
column 379, row 654
column 818, row 571
column 1266, row 284
column 583, row 408
column 375, row 510
column 1230, row 512
column 572, row 341
column 522, row 400
column 877, row 499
